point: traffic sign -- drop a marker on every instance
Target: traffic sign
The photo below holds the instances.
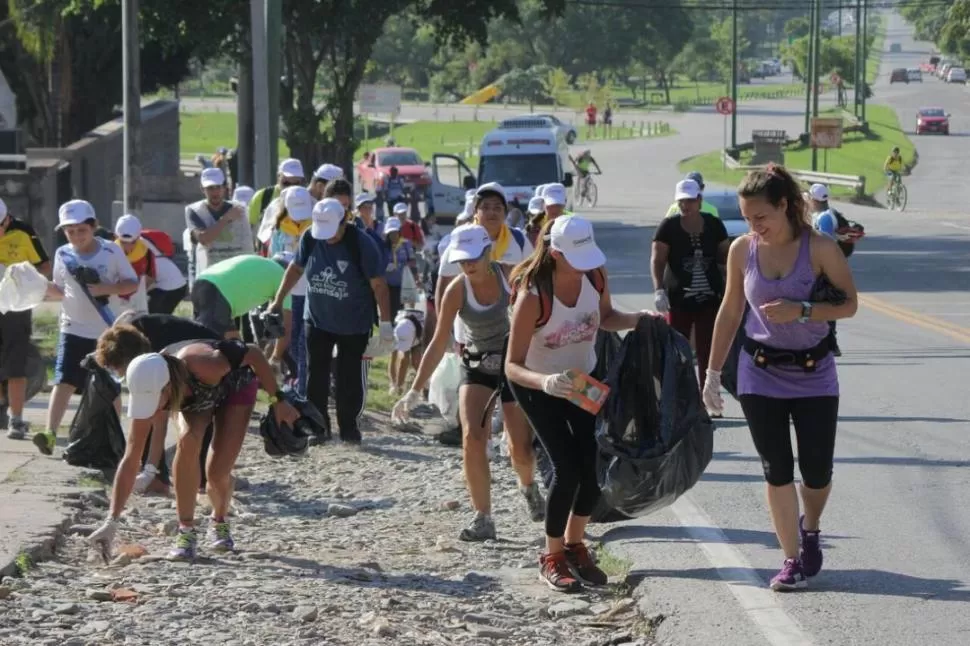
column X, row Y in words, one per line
column 835, row 78
column 724, row 105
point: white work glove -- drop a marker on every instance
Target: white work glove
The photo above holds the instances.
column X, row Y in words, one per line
column 143, row 479
column 103, row 537
column 387, row 332
column 404, row 406
column 660, row 301
column 713, row 401
column 560, row 385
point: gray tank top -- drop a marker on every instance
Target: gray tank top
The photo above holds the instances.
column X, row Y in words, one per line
column 486, row 328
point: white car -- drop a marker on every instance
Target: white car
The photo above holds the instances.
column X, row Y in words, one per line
column 543, row 121
column 956, row 75
column 728, row 210
column 914, row 75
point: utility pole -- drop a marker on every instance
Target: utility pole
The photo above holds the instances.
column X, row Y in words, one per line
column 274, row 20
column 809, row 67
column 244, row 120
column 865, row 54
column 264, row 175
column 817, row 64
column 859, row 74
column 734, row 74
column 131, row 130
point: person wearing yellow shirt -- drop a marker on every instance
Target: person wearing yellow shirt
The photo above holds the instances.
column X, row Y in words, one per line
column 706, row 207
column 893, row 167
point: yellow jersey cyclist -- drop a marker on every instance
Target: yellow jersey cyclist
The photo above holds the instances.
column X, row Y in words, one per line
column 582, row 164
column 893, row 167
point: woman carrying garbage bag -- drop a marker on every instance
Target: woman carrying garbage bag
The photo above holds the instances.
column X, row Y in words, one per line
column 563, row 298
column 201, row 382
column 479, row 299
column 786, row 370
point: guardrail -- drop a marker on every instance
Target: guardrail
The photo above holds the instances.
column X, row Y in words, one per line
column 855, row 182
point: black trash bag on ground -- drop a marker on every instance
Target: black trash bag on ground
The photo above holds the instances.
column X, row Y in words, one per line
column 97, row 440
column 279, row 441
column 607, row 346
column 654, row 435
column 729, row 372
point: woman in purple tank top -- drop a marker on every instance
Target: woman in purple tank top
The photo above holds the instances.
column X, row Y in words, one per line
column 786, row 371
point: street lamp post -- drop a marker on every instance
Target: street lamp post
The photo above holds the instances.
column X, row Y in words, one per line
column 734, row 75
column 816, row 65
column 131, row 101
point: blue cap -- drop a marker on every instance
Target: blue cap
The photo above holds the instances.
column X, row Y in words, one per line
column 697, row 177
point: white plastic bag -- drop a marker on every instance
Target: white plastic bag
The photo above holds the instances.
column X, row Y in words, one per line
column 443, row 387
column 22, row 288
column 137, row 302
column 409, row 289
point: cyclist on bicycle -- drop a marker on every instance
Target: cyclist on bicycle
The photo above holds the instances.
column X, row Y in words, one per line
column 893, row 167
column 581, row 164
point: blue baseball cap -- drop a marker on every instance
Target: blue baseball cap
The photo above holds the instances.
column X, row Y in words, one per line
column 697, row 177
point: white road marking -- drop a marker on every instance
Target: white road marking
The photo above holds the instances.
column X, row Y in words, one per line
column 955, row 225
column 757, row 600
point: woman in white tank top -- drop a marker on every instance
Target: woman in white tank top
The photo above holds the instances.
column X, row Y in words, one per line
column 551, row 334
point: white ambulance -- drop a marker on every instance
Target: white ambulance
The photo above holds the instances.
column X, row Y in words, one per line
column 520, row 154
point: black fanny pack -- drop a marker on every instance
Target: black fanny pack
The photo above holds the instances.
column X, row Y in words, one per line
column 807, row 359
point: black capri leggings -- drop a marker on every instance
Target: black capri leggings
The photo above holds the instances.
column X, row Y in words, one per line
column 815, row 420
column 567, row 433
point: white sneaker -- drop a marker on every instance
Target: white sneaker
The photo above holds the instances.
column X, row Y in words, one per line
column 145, row 478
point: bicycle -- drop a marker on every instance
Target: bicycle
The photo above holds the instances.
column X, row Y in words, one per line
column 896, row 196
column 586, row 192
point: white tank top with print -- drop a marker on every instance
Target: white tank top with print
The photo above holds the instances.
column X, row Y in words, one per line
column 568, row 339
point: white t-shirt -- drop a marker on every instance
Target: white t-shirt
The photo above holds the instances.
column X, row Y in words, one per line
column 78, row 315
column 167, row 275
column 568, row 339
column 513, row 255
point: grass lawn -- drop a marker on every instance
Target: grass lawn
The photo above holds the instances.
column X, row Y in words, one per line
column 859, row 155
column 206, row 132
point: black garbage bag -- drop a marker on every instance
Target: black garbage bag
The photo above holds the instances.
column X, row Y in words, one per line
column 281, row 440
column 96, row 440
column 607, row 347
column 729, row 372
column 654, row 435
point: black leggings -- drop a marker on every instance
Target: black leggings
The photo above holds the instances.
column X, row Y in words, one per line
column 567, row 433
column 815, row 420
column 351, row 382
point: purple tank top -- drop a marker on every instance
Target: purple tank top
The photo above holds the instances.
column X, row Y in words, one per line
column 784, row 382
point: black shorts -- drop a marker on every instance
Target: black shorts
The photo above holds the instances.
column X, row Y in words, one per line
column 71, row 350
column 211, row 309
column 394, row 293
column 474, row 377
column 15, row 330
column 165, row 302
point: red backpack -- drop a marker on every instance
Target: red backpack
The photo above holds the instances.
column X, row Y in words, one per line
column 595, row 276
column 161, row 241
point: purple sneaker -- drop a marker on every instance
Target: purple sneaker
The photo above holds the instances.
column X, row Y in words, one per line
column 791, row 577
column 811, row 553
column 220, row 539
column 185, row 544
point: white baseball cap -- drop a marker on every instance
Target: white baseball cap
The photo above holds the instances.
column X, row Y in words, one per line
column 291, row 168
column 401, row 208
column 819, row 192
column 554, row 194
column 3, row 209
column 491, row 188
column 147, row 376
column 128, row 228
column 243, row 194
column 541, row 190
column 405, row 334
column 393, row 224
column 470, row 194
column 537, row 205
column 687, row 189
column 468, row 242
column 298, row 203
column 74, row 212
column 328, row 172
column 572, row 236
column 328, row 215
column 364, row 198
column 213, row 177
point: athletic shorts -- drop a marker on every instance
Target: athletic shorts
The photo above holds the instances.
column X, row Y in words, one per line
column 15, row 330
column 211, row 309
column 473, row 377
column 244, row 394
column 71, row 350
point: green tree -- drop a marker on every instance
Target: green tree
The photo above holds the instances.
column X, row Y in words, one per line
column 556, row 85
column 797, row 27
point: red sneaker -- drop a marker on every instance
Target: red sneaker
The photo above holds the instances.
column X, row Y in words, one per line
column 582, row 565
column 554, row 571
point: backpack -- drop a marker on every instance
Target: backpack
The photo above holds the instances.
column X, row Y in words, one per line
column 595, row 276
column 353, row 248
column 519, row 236
column 161, row 242
column 846, row 226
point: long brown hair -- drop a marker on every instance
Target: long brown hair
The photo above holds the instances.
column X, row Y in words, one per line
column 178, row 383
column 774, row 183
column 537, row 268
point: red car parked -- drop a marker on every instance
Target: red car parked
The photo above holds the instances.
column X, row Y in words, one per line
column 932, row 120
column 375, row 168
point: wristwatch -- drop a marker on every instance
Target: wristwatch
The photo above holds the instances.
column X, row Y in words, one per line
column 806, row 312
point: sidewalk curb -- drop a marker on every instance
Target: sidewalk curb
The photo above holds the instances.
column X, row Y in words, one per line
column 41, row 509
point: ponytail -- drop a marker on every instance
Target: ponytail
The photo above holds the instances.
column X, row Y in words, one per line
column 178, row 383
column 537, row 268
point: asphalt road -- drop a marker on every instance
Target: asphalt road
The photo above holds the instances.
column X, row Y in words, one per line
column 895, row 531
